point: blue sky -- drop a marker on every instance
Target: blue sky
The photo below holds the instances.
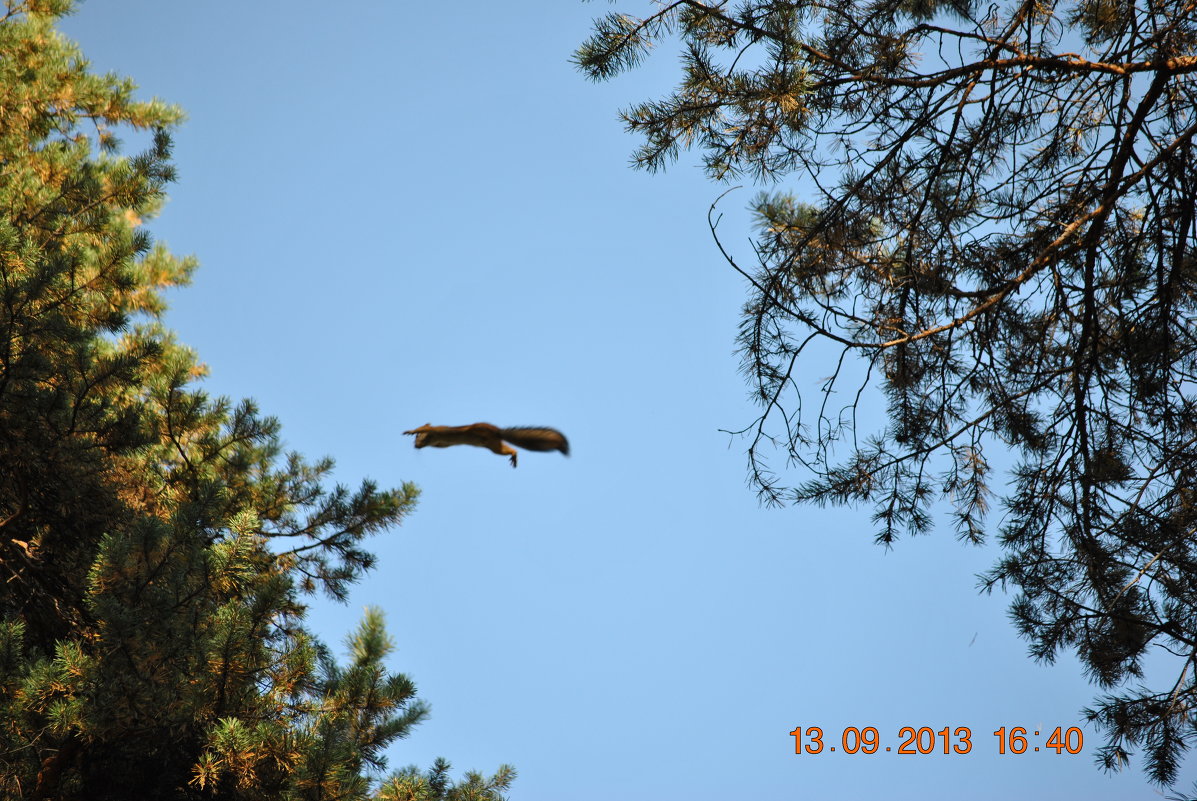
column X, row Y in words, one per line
column 420, row 212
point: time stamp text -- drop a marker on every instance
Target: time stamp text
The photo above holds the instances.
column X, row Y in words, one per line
column 928, row 740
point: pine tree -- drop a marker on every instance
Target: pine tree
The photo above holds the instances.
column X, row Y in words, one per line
column 156, row 545
column 997, row 228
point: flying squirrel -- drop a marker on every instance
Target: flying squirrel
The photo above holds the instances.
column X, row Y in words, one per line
column 493, row 438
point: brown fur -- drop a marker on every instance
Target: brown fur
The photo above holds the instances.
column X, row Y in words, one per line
column 493, row 438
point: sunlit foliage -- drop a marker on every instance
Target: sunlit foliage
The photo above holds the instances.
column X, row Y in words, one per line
column 156, row 546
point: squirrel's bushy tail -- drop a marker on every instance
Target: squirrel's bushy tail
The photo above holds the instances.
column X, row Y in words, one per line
column 536, row 438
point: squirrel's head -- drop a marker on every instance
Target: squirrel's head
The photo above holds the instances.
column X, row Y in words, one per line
column 421, row 434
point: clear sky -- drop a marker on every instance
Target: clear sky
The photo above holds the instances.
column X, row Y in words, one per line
column 420, row 212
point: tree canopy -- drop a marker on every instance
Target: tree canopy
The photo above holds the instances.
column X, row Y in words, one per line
column 157, row 546
column 993, row 222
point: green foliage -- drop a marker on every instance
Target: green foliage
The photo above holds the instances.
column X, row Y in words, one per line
column 411, row 785
column 156, row 545
column 996, row 227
